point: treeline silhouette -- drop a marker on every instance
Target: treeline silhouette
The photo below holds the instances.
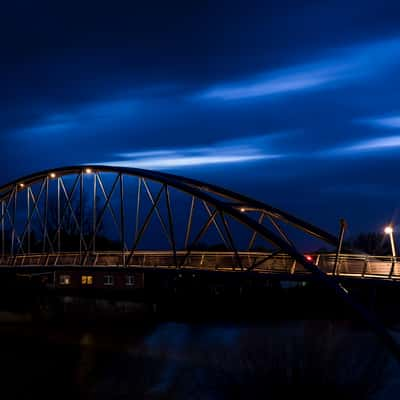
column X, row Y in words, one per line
column 374, row 243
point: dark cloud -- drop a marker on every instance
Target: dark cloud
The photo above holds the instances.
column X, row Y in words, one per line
column 298, row 100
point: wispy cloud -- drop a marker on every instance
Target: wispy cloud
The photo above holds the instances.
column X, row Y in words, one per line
column 253, row 148
column 368, row 145
column 283, row 81
column 342, row 65
column 392, row 121
column 46, row 127
column 91, row 116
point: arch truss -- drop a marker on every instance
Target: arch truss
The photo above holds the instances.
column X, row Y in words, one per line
column 131, row 213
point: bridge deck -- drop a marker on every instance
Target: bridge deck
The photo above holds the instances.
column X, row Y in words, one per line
column 349, row 265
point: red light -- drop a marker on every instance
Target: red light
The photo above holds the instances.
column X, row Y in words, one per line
column 308, row 257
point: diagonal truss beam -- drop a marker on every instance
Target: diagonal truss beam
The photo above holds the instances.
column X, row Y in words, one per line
column 200, row 234
column 171, row 224
column 61, row 214
column 256, row 263
column 98, row 219
column 254, row 235
column 145, row 225
column 110, row 207
column 231, row 241
column 35, row 209
column 189, row 223
column 72, row 211
column 215, row 223
column 157, row 212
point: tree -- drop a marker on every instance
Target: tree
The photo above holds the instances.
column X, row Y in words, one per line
column 372, row 243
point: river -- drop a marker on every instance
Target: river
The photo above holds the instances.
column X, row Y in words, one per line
column 181, row 360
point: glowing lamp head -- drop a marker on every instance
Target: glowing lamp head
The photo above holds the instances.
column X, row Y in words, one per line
column 88, row 170
column 388, row 230
column 52, row 175
column 22, row 185
column 242, row 209
column 308, row 257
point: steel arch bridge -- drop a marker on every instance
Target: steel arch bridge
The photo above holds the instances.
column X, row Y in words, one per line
column 58, row 218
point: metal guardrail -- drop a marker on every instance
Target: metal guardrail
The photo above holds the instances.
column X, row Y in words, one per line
column 352, row 265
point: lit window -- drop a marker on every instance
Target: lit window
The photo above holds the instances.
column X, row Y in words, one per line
column 87, row 280
column 65, row 279
column 108, row 280
column 130, row 280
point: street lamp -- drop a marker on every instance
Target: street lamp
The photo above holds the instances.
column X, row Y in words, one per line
column 389, row 231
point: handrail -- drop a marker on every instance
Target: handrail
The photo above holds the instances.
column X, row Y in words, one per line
column 350, row 265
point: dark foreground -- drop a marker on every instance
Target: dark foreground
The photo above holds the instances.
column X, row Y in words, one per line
column 150, row 359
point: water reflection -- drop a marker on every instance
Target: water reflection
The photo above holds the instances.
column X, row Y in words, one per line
column 173, row 360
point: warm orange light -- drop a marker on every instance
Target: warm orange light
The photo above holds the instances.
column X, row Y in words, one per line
column 53, row 175
column 22, row 185
column 87, row 280
column 242, row 210
column 88, row 170
column 308, row 257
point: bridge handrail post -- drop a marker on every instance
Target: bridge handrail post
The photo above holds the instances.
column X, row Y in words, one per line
column 343, row 227
column 293, row 268
column 392, row 268
column 365, row 269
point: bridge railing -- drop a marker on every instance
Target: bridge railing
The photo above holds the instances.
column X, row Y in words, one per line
column 360, row 265
column 352, row 265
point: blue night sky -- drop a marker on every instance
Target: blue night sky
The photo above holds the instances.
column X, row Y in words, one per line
column 294, row 103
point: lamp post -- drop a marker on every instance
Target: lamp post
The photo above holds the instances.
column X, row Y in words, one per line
column 389, row 231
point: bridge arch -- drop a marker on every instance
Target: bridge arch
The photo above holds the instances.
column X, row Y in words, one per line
column 219, row 202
